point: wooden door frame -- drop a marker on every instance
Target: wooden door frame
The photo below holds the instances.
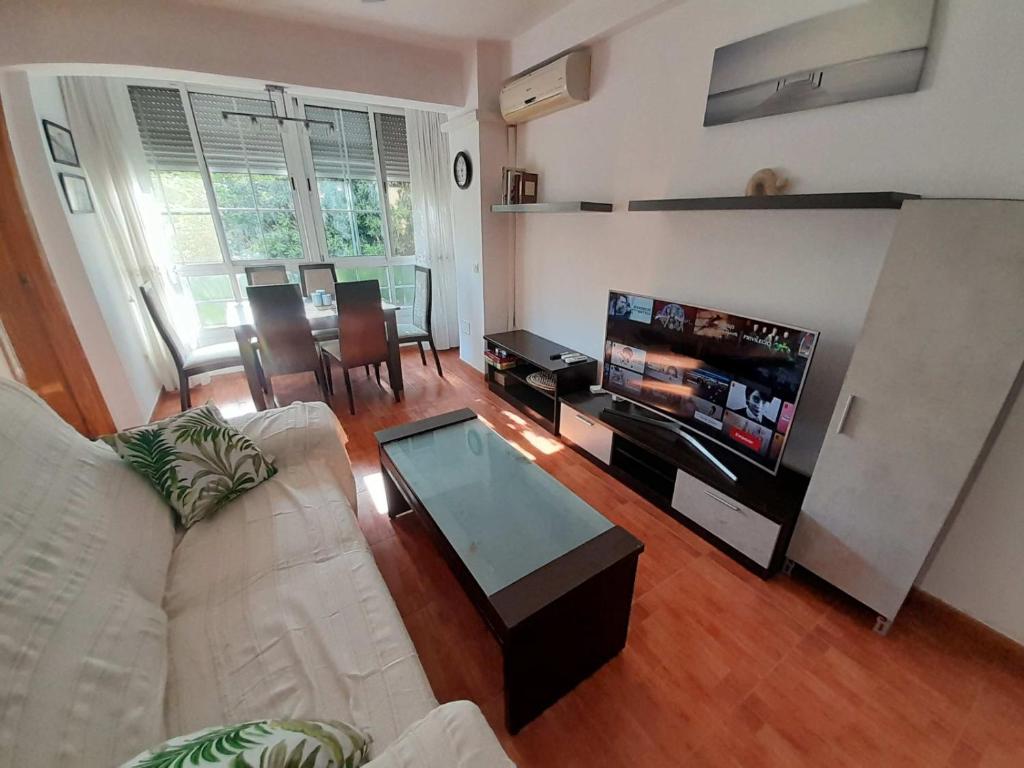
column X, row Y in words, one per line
column 34, row 315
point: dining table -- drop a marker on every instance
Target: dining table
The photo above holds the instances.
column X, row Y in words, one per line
column 321, row 318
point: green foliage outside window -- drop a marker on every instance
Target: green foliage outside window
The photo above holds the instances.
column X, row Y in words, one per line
column 353, row 222
column 181, row 190
column 258, row 215
column 400, row 203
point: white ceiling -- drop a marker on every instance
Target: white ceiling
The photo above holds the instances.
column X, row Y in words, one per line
column 437, row 19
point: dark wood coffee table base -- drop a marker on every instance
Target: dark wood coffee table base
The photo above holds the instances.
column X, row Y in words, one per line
column 556, row 625
column 555, row 649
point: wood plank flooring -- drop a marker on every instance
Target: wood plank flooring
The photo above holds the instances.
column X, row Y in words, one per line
column 721, row 668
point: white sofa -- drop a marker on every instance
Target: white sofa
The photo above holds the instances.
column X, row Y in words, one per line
column 117, row 632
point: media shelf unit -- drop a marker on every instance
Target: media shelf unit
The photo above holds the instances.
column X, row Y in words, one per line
column 751, row 519
column 534, row 354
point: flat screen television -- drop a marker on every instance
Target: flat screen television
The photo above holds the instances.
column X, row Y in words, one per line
column 733, row 379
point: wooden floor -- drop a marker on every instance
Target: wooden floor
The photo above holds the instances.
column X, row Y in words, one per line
column 721, row 668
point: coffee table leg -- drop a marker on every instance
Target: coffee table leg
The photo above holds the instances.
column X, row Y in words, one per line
column 396, row 502
column 551, row 652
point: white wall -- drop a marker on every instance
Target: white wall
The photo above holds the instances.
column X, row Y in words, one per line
column 483, row 240
column 641, row 136
column 196, row 38
column 979, row 565
column 578, row 22
column 464, row 136
column 76, row 249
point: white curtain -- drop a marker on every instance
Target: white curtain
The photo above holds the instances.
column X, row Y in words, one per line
column 432, row 218
column 93, row 108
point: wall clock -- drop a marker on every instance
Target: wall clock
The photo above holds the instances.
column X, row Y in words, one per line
column 463, row 170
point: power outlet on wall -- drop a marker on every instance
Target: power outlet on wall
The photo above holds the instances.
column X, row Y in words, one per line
column 465, row 327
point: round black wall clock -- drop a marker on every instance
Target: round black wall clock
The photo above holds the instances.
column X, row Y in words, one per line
column 463, row 170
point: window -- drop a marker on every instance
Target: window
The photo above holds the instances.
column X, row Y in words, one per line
column 211, row 295
column 234, row 191
column 175, row 175
column 394, row 157
column 346, row 182
column 249, row 176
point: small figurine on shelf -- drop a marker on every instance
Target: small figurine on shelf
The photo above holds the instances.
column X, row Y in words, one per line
column 766, row 183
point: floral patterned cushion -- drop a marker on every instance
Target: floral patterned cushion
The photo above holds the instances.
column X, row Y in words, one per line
column 195, row 460
column 263, row 744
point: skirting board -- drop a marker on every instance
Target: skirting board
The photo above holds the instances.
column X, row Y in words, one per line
column 966, row 626
column 941, row 613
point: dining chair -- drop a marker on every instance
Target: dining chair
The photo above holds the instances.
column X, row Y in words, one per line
column 272, row 275
column 420, row 330
column 188, row 362
column 317, row 277
column 314, row 277
column 362, row 339
column 285, row 340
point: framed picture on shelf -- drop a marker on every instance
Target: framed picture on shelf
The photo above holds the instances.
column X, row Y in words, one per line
column 528, row 187
column 62, row 144
column 518, row 186
column 76, row 192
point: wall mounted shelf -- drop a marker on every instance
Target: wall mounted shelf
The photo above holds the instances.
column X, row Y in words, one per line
column 834, row 200
column 576, row 206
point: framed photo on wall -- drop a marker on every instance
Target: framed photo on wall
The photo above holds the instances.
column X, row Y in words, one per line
column 62, row 144
column 76, row 192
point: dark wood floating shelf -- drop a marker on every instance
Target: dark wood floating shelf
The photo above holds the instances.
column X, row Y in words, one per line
column 575, row 206
column 777, row 202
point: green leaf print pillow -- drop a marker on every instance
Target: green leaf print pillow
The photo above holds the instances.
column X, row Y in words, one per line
column 195, row 460
column 263, row 744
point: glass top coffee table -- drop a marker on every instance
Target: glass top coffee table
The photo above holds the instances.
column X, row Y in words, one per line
column 552, row 577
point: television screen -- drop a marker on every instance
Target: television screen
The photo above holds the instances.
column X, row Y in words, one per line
column 733, row 379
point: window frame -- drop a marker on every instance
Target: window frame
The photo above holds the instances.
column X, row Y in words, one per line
column 298, row 105
column 298, row 158
column 238, row 265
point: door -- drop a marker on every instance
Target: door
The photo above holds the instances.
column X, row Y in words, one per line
column 941, row 348
column 36, row 322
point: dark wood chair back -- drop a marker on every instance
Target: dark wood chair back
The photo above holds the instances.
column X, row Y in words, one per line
column 163, row 326
column 317, row 277
column 286, row 341
column 272, row 275
column 361, row 334
column 422, row 299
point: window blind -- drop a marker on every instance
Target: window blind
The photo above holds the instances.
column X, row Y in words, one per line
column 237, row 145
column 163, row 127
column 393, row 146
column 345, row 152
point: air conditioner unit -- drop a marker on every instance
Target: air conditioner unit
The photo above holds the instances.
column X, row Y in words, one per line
column 557, row 85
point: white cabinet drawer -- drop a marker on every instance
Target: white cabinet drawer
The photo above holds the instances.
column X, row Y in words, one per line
column 743, row 529
column 586, row 432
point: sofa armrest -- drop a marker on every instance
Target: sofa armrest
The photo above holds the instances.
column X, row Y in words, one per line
column 302, row 433
column 454, row 735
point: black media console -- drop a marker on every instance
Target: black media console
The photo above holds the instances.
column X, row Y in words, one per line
column 751, row 519
column 535, row 353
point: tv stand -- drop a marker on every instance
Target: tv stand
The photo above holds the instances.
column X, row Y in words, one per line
column 677, row 430
column 751, row 518
column 534, row 353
